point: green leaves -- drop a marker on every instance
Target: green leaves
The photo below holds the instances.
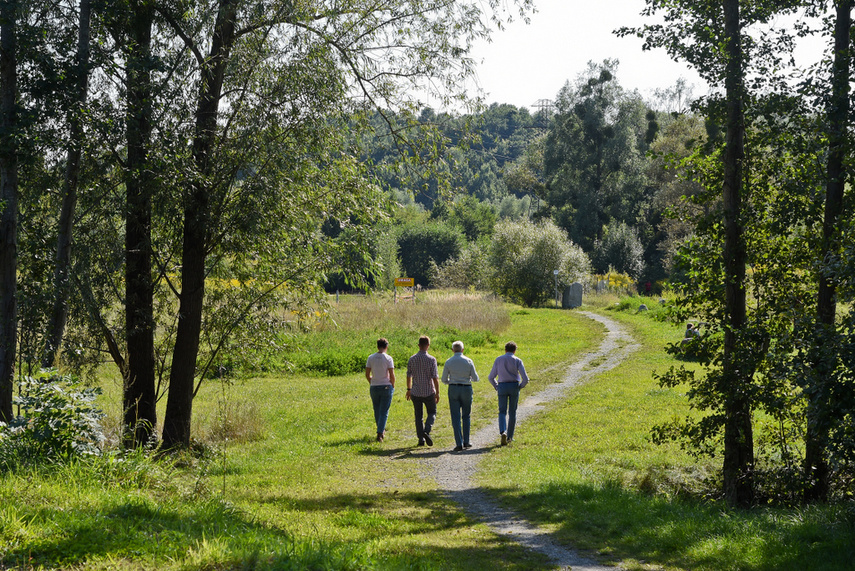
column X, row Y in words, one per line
column 524, row 257
column 58, row 422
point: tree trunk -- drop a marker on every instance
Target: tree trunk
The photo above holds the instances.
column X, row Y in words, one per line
column 140, row 411
column 9, row 199
column 197, row 219
column 738, row 437
column 816, row 465
column 59, row 315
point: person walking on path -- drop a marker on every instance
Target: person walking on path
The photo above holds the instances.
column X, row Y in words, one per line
column 423, row 389
column 508, row 376
column 380, row 374
column 459, row 373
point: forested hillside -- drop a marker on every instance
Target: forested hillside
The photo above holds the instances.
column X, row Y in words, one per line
column 601, row 163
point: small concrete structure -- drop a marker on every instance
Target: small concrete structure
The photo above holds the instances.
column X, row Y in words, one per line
column 572, row 296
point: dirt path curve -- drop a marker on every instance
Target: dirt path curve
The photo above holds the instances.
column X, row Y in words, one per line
column 454, row 472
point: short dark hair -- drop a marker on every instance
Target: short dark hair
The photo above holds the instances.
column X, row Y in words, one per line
column 424, row 341
column 382, row 343
column 510, row 347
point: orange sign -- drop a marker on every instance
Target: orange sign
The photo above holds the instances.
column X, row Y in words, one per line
column 404, row 282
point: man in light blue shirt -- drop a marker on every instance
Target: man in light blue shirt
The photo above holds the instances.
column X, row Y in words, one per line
column 459, row 373
column 508, row 376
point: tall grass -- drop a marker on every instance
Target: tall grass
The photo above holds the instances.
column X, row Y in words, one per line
column 339, row 342
column 432, row 310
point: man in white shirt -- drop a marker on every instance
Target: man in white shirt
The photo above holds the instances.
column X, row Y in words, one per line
column 380, row 374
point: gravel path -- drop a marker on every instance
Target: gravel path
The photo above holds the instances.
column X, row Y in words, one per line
column 454, row 471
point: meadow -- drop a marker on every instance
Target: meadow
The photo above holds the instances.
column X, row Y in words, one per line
column 287, row 475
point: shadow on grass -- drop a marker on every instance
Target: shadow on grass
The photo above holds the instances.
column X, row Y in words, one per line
column 411, row 452
column 135, row 530
column 142, row 535
column 620, row 524
column 399, row 520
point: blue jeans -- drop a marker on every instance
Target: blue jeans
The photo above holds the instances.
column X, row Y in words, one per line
column 460, row 404
column 509, row 397
column 381, row 398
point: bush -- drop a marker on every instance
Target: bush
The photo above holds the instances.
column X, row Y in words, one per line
column 524, row 256
column 469, row 271
column 57, row 422
column 620, row 250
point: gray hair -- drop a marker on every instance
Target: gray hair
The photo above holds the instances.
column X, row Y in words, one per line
column 457, row 346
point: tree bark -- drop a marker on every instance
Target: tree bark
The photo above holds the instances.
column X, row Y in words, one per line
column 9, row 199
column 59, row 314
column 738, row 437
column 816, row 464
column 140, row 413
column 197, row 219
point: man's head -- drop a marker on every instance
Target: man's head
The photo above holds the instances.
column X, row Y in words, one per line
column 424, row 342
column 457, row 346
column 510, row 347
column 382, row 343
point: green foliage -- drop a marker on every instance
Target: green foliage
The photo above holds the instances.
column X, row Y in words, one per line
column 524, row 256
column 594, row 155
column 421, row 244
column 387, row 258
column 470, row 270
column 474, row 219
column 57, row 422
column 619, row 250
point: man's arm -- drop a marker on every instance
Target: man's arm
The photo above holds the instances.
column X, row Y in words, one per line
column 492, row 376
column 523, row 375
column 392, row 376
column 368, row 374
column 473, row 374
column 436, row 387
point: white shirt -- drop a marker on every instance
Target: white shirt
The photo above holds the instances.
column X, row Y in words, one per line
column 380, row 363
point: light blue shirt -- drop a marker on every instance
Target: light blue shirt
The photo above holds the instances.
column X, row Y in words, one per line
column 508, row 369
column 459, row 370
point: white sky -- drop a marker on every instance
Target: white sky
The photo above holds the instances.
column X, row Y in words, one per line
column 525, row 63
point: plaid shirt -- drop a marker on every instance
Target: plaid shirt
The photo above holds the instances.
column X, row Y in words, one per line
column 422, row 368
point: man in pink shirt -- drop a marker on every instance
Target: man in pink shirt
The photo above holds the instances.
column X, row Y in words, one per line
column 508, row 376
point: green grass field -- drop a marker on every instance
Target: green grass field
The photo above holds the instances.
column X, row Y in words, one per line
column 291, row 477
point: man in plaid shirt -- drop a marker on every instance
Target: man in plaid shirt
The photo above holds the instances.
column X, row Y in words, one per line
column 423, row 389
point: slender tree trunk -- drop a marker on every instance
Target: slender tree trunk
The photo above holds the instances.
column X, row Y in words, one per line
column 816, row 464
column 140, row 411
column 59, row 315
column 179, row 406
column 738, row 437
column 9, row 199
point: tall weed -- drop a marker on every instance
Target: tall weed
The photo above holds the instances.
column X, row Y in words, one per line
column 57, row 422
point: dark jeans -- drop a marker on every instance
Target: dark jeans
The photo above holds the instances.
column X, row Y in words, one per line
column 509, row 397
column 419, row 405
column 460, row 405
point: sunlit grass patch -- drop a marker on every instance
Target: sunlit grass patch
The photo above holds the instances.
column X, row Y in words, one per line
column 588, row 469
